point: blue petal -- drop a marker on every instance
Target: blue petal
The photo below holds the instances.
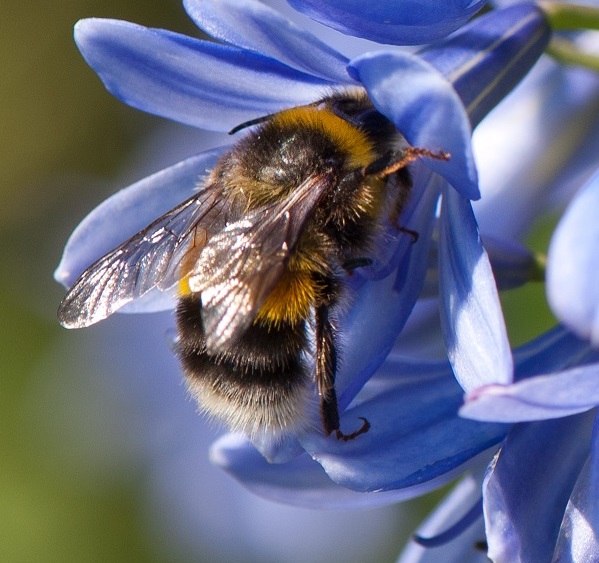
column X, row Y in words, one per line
column 398, row 446
column 527, row 488
column 195, row 82
column 424, row 108
column 130, row 210
column 416, row 438
column 421, row 337
column 398, row 23
column 537, row 398
column 460, row 549
column 300, row 482
column 252, row 25
column 573, row 263
column 384, row 301
column 555, row 350
column 471, row 316
column 488, row 57
column 578, row 539
column 513, row 265
column 445, row 536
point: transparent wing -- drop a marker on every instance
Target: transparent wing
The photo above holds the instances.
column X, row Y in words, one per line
column 237, row 270
column 241, row 265
column 158, row 256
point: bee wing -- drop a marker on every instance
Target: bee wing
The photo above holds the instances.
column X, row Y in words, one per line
column 241, row 265
column 236, row 272
column 158, row 256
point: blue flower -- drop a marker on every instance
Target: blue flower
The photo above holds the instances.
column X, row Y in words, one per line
column 540, row 500
column 433, row 99
column 540, row 489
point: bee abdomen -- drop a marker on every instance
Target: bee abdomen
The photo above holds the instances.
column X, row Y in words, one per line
column 258, row 384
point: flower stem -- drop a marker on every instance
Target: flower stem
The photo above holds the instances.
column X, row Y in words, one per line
column 566, row 52
column 570, row 16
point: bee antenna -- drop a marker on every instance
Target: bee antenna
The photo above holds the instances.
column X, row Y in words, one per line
column 251, row 122
column 262, row 119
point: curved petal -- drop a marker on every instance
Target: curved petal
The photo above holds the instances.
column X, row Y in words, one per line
column 398, row 23
column 381, row 464
column 425, row 109
column 573, row 263
column 554, row 350
column 527, row 488
column 130, row 210
column 537, row 398
column 488, row 57
column 299, row 482
column 415, row 436
column 578, row 539
column 195, row 82
column 252, row 25
column 459, row 549
column 471, row 316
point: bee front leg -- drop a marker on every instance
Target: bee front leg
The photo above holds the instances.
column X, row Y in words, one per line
column 326, row 368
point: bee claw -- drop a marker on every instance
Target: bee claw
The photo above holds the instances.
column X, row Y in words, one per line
column 362, row 430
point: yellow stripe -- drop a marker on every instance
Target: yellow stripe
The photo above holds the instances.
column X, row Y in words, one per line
column 349, row 138
column 290, row 300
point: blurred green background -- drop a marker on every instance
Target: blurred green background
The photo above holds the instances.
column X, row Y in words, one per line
column 61, row 134
column 66, row 144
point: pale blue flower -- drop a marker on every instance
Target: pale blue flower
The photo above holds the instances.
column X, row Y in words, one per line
column 539, row 492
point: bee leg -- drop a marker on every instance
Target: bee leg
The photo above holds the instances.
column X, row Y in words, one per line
column 326, row 366
column 404, row 181
column 394, row 161
column 362, row 430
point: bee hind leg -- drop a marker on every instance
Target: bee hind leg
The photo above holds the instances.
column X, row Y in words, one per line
column 326, row 366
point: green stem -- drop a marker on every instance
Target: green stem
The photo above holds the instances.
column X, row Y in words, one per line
column 566, row 52
column 570, row 16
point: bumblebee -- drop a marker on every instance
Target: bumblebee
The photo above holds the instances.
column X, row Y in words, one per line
column 259, row 256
